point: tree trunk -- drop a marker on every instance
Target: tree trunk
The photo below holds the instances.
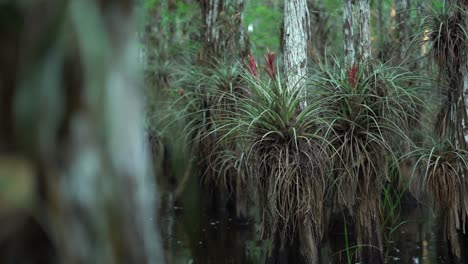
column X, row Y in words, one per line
column 452, row 125
column 319, row 28
column 295, row 39
column 211, row 32
column 402, row 9
column 364, row 41
column 381, row 19
column 97, row 194
column 223, row 31
column 348, row 33
column 423, row 48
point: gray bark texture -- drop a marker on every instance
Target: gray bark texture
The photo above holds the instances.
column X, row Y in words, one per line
column 364, row 41
column 295, row 39
column 348, row 33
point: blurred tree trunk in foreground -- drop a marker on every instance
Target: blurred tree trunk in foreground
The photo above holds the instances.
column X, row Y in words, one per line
column 74, row 117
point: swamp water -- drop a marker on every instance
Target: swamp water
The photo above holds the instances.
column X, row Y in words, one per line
column 191, row 235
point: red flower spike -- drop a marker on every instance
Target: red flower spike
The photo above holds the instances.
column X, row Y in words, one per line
column 352, row 75
column 270, row 68
column 252, row 65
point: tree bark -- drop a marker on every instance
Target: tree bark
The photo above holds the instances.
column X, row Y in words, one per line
column 402, row 9
column 319, row 28
column 223, row 32
column 348, row 33
column 421, row 6
column 295, row 39
column 364, row 41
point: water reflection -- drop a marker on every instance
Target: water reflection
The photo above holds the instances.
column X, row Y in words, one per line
column 205, row 238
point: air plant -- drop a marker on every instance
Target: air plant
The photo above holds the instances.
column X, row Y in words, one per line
column 207, row 96
column 287, row 154
column 445, row 174
column 443, row 167
column 448, row 36
column 369, row 116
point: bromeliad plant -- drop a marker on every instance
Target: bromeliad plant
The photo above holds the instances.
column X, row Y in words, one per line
column 210, row 95
column 443, row 166
column 446, row 173
column 369, row 113
column 207, row 93
column 287, row 154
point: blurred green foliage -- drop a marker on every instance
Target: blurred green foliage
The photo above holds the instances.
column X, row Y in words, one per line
column 149, row 4
column 266, row 23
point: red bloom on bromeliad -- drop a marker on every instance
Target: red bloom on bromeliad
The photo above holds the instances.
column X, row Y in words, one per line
column 252, row 65
column 270, row 68
column 352, row 75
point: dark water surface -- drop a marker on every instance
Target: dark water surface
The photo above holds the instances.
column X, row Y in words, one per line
column 193, row 236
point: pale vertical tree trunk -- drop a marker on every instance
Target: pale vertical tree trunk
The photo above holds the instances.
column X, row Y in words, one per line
column 213, row 7
column 402, row 31
column 110, row 158
column 364, row 41
column 348, row 33
column 295, row 44
column 295, row 39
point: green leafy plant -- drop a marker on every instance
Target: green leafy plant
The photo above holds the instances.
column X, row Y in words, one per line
column 443, row 166
column 370, row 114
column 286, row 152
